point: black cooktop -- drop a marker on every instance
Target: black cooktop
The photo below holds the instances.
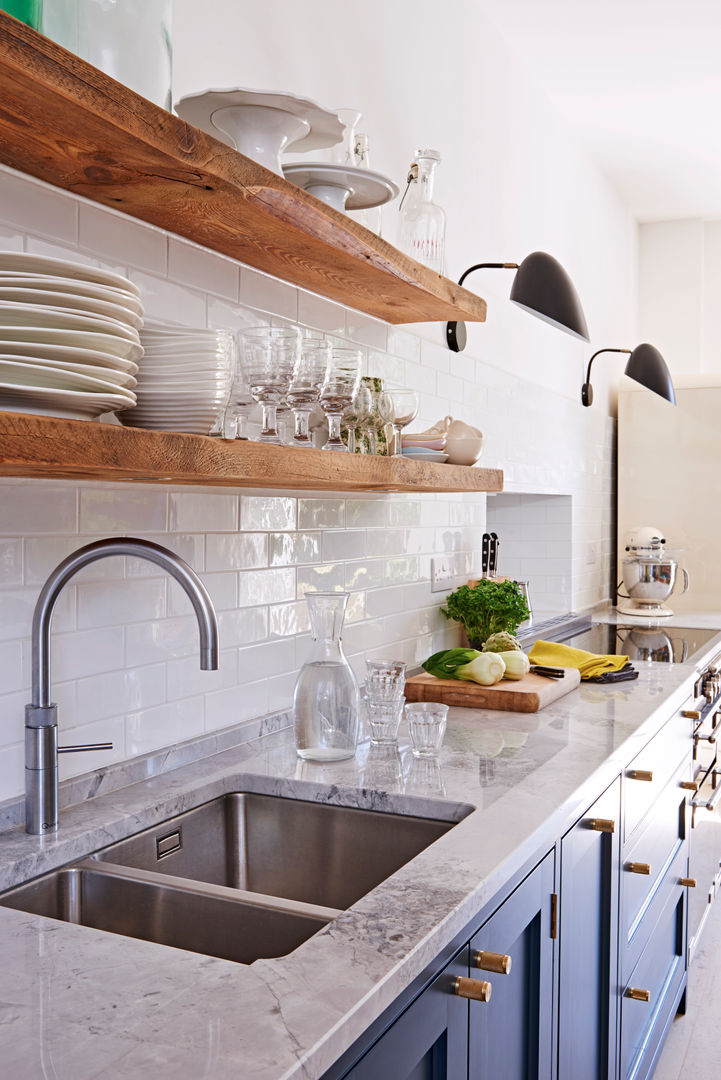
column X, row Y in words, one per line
column 663, row 644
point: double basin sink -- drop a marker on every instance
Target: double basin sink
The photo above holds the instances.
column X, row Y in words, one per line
column 243, row 877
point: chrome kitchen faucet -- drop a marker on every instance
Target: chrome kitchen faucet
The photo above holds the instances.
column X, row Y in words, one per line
column 41, row 716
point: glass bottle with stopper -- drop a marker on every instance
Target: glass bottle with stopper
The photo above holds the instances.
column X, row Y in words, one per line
column 423, row 222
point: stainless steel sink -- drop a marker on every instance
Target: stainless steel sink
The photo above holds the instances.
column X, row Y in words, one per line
column 243, row 877
column 311, row 852
column 204, row 919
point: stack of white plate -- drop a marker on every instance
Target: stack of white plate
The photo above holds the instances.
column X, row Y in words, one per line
column 184, row 379
column 69, row 337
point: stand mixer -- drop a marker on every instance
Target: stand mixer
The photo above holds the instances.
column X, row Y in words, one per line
column 649, row 575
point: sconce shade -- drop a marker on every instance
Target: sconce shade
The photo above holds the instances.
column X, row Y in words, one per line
column 543, row 287
column 648, row 367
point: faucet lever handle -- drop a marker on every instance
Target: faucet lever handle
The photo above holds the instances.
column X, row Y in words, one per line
column 88, row 746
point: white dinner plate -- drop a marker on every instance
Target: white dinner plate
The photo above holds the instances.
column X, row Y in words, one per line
column 69, row 354
column 108, row 376
column 72, row 287
column 15, row 373
column 73, row 302
column 426, row 455
column 19, row 262
column 66, row 403
column 60, row 318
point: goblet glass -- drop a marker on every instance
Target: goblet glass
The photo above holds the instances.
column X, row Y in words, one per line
column 308, row 375
column 340, row 385
column 373, row 422
column 269, row 354
column 399, row 408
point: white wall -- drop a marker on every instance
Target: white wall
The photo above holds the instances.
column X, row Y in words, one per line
column 125, row 665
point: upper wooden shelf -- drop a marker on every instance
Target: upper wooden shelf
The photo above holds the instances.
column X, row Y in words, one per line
column 80, row 450
column 65, row 122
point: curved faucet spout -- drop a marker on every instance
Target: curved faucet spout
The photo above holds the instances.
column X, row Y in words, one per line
column 41, row 747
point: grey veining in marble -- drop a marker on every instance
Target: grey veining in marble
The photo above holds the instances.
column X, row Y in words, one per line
column 79, row 1004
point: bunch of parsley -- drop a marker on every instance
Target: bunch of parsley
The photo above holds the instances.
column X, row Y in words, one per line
column 487, row 608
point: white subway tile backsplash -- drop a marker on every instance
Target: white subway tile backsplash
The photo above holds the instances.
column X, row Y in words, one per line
column 185, row 677
column 45, row 209
column 121, row 691
column 366, row 331
column 118, row 237
column 164, row 301
column 162, row 639
column 165, row 725
column 368, row 574
column 11, row 666
column 288, row 549
column 402, row 569
column 367, row 513
column 324, row 577
column 39, row 507
column 227, row 707
column 289, row 619
column 321, row 513
column 109, row 729
column 348, row 544
column 271, row 512
column 85, row 652
column 267, row 661
column 202, row 269
column 141, row 509
column 11, row 562
column 190, row 547
column 266, row 587
column 16, row 612
column 242, row 551
column 11, row 239
column 194, row 511
column 268, row 294
column 320, row 314
column 243, row 627
column 110, row 603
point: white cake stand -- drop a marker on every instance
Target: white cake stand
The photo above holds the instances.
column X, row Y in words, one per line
column 262, row 124
column 343, row 187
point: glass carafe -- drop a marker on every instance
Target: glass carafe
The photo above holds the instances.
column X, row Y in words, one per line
column 325, row 706
column 423, row 223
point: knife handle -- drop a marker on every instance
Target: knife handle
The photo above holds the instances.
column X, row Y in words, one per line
column 485, row 552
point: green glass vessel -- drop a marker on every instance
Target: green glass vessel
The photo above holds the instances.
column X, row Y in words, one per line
column 27, row 11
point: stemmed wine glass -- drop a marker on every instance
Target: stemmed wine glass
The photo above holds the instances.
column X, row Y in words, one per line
column 304, row 391
column 340, row 385
column 269, row 353
column 399, row 408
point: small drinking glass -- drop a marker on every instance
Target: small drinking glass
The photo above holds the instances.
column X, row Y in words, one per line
column 399, row 408
column 360, row 410
column 231, row 424
column 385, row 680
column 384, row 719
column 373, row 423
column 340, row 384
column 427, row 726
column 306, row 381
column 269, row 355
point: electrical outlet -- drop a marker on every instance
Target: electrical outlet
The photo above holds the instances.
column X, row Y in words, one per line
column 442, row 573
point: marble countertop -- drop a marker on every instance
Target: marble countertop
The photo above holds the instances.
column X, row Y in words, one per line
column 79, row 1003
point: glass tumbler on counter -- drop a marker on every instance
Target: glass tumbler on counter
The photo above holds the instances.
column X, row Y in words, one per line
column 269, row 356
column 326, row 702
column 384, row 685
column 426, row 726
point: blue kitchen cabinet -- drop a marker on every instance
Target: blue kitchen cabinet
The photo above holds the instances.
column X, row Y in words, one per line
column 588, row 942
column 511, row 1035
column 429, row 1041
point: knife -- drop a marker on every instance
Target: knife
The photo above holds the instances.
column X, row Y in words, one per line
column 493, row 566
column 485, row 548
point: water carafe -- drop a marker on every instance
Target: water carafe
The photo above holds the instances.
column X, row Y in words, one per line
column 326, row 701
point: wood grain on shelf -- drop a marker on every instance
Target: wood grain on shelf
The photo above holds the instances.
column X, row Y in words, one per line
column 65, row 122
column 43, row 446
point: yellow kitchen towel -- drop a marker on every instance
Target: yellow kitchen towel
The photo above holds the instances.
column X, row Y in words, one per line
column 555, row 654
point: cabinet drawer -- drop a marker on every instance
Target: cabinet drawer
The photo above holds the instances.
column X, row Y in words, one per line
column 656, row 846
column 644, row 929
column 649, row 772
column 660, row 971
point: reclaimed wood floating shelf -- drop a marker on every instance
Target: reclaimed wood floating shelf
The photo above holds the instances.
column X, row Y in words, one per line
column 65, row 122
column 46, row 447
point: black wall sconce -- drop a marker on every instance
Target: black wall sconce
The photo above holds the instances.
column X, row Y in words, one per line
column 645, row 365
column 542, row 287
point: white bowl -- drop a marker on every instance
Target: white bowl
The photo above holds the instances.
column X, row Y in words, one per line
column 464, row 451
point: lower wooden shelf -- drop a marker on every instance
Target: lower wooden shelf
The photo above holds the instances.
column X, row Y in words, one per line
column 50, row 448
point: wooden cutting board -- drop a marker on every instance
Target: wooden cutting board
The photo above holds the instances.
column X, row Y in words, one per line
column 525, row 695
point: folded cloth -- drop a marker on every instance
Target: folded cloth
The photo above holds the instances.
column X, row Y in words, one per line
column 555, row 654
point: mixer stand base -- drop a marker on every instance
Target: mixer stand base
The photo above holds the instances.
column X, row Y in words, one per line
column 644, row 611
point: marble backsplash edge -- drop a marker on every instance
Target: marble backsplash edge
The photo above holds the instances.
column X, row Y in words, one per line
column 120, row 774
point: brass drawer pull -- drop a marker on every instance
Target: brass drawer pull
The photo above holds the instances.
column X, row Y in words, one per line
column 689, row 882
column 491, row 961
column 638, row 995
column 691, row 714
column 639, row 868
column 600, row 824
column 475, row 989
column 689, row 785
column 640, row 774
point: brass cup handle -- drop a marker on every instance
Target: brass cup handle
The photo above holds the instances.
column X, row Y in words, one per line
column 602, row 825
column 474, row 989
column 639, row 868
column 638, row 995
column 500, row 963
column 640, row 774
